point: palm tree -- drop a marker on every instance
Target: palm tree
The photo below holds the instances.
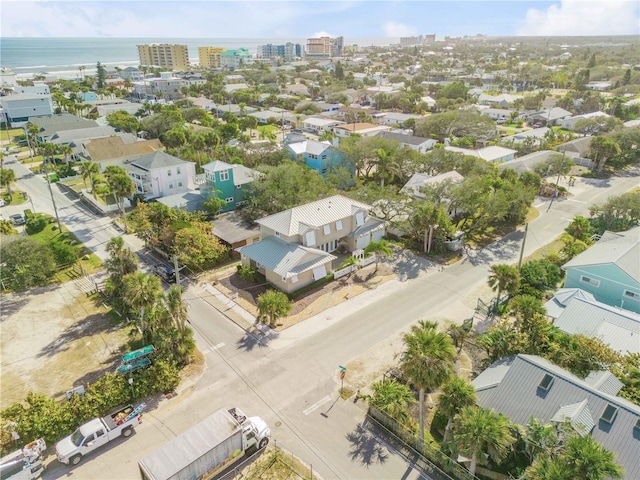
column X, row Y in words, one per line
column 504, row 278
column 379, row 248
column 140, row 292
column 478, row 431
column 88, row 170
column 65, row 150
column 121, row 186
column 427, row 361
column 547, row 468
column 272, row 305
column 456, row 394
column 392, row 398
column 122, row 261
column 7, row 177
column 601, row 149
column 589, row 459
column 176, row 307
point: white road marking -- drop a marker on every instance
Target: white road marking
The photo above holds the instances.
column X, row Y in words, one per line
column 217, row 347
column 316, row 405
column 577, row 201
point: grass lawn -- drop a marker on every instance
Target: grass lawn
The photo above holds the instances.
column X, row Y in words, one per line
column 553, row 247
column 89, row 262
column 12, row 134
column 268, row 128
column 16, row 197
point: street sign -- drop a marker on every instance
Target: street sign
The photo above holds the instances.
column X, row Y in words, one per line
column 342, row 368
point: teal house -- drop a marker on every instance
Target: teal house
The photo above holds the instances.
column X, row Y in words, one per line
column 320, row 156
column 227, row 182
column 609, row 270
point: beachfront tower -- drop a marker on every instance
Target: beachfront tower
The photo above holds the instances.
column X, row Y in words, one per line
column 164, row 55
column 209, row 57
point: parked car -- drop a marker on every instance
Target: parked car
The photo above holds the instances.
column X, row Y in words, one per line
column 18, row 219
column 165, row 272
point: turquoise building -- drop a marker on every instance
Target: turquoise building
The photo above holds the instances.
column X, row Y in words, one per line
column 320, row 156
column 227, row 182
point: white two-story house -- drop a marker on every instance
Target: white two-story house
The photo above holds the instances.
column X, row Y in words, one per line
column 159, row 174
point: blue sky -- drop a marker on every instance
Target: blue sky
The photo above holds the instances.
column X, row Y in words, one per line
column 306, row 18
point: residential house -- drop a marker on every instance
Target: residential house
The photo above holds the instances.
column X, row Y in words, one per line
column 373, row 92
column 233, row 108
column 503, row 99
column 419, row 180
column 49, row 126
column 132, row 73
column 536, row 136
column 528, row 162
column 327, row 107
column 598, row 86
column 549, row 116
column 227, row 182
column 609, row 270
column 320, row 156
column 500, row 115
column 493, row 154
column 362, row 129
column 77, row 137
column 419, row 144
column 159, row 174
column 575, row 311
column 234, row 87
column 279, row 115
column 117, row 147
column 320, row 125
column 525, row 386
column 569, row 123
column 296, row 244
column 397, row 118
column 232, row 59
column 19, row 109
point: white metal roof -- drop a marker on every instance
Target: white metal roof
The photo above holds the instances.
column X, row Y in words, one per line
column 315, row 214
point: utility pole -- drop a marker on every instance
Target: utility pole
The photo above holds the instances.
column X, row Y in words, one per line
column 177, row 270
column 524, row 239
column 555, row 192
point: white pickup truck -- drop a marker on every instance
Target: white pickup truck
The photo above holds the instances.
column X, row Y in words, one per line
column 98, row 432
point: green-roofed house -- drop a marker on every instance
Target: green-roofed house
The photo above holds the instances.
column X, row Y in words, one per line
column 609, row 270
column 232, row 59
column 227, row 182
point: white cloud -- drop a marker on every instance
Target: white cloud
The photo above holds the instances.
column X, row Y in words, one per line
column 321, row 34
column 394, row 29
column 579, row 17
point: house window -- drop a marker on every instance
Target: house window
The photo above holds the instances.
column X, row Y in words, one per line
column 637, row 426
column 228, row 199
column 339, row 225
column 224, row 175
column 179, row 184
column 546, row 382
column 311, row 239
column 609, row 414
column 590, row 281
column 168, row 173
column 177, row 170
column 359, row 219
column 294, row 279
column 632, row 295
column 170, row 186
column 277, row 234
column 327, row 229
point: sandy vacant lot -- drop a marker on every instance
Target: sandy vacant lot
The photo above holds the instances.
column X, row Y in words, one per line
column 53, row 339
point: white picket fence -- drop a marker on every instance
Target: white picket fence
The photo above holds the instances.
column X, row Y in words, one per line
column 352, row 268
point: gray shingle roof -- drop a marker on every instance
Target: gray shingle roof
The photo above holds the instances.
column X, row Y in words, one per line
column 314, row 214
column 517, row 394
column 406, row 139
column 155, row 160
column 67, row 136
column 621, row 249
column 283, row 258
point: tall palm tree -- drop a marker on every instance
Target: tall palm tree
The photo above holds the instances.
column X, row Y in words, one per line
column 456, row 394
column 141, row 291
column 392, row 398
column 478, row 431
column 503, row 278
column 7, row 177
column 547, row 468
column 88, row 170
column 122, row 261
column 176, row 307
column 379, row 248
column 121, row 186
column 427, row 361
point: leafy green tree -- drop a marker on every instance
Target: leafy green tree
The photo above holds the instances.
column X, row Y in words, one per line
column 379, row 248
column 459, row 123
column 429, row 218
column 7, row 177
column 213, row 205
column 601, row 149
column 198, row 248
column 392, row 398
column 427, row 361
column 124, row 121
column 63, row 253
column 503, row 278
column 618, row 213
column 580, row 228
column 101, row 75
column 6, row 228
column 456, row 394
column 478, row 431
column 174, row 138
column 538, row 276
column 272, row 305
column 122, row 261
column 25, row 263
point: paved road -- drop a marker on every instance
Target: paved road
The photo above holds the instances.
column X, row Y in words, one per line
column 291, row 380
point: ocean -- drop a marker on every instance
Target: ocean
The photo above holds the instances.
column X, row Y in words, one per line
column 26, row 56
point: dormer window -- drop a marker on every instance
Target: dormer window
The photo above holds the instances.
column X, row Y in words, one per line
column 359, row 219
column 546, row 382
column 609, row 414
column 224, row 175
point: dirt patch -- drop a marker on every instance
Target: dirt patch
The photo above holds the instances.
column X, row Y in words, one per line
column 57, row 339
column 245, row 293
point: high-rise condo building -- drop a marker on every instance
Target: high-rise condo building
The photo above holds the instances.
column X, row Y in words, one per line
column 209, row 57
column 325, row 47
column 170, row 56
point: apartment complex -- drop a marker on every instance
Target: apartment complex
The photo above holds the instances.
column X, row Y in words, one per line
column 164, row 55
column 231, row 59
column 325, row 47
column 421, row 40
column 209, row 57
column 289, row 51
